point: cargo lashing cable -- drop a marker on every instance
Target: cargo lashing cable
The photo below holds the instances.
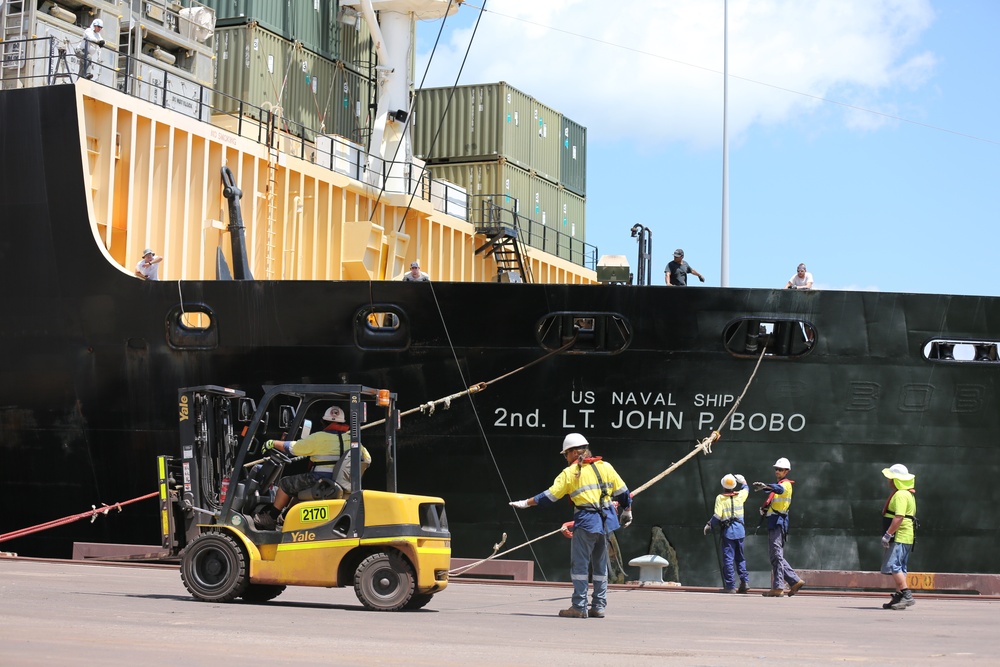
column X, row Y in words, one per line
column 704, row 446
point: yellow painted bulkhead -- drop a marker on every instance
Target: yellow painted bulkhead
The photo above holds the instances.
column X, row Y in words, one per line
column 155, row 182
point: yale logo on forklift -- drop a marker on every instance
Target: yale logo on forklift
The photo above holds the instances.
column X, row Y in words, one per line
column 315, row 514
column 302, row 536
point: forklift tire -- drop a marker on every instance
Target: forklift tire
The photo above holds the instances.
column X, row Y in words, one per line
column 214, row 568
column 262, row 592
column 384, row 582
column 418, row 601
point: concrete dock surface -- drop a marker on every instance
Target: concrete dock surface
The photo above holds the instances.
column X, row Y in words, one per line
column 65, row 613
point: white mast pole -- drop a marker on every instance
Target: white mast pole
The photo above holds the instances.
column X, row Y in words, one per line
column 724, row 273
column 389, row 150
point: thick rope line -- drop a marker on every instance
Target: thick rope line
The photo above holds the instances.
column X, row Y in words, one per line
column 93, row 513
column 706, row 443
column 704, row 446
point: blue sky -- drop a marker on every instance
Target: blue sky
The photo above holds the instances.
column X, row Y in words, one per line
column 864, row 134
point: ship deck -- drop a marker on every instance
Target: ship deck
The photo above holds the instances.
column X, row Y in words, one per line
column 60, row 612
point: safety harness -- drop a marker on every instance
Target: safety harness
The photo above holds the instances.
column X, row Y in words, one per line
column 325, row 464
column 887, row 520
column 726, row 523
column 766, row 508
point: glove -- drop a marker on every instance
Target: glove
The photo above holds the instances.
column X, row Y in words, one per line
column 887, row 540
column 708, row 528
column 519, row 504
column 567, row 529
column 101, row 43
column 626, row 518
column 701, row 278
column 268, row 444
column 741, row 479
column 759, row 486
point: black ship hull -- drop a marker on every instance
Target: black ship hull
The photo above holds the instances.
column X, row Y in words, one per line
column 93, row 360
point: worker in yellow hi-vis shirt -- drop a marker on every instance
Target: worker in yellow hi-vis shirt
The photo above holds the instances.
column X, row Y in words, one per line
column 899, row 517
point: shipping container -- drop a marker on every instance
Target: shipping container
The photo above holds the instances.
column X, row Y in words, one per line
column 474, row 124
column 573, row 157
column 49, row 53
column 178, row 46
column 355, row 46
column 572, row 214
column 497, row 188
column 153, row 84
column 546, row 141
column 312, row 22
column 265, row 70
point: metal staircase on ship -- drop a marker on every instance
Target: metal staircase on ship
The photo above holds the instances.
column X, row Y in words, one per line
column 504, row 244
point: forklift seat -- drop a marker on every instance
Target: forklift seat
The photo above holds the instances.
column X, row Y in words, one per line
column 326, row 489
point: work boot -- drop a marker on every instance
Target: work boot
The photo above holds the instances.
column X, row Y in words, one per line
column 573, row 612
column 264, row 521
column 728, row 590
column 595, row 613
column 795, row 587
column 905, row 601
column 773, row 593
column 894, row 600
column 743, row 588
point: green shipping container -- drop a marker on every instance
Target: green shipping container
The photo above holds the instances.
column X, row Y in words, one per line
column 262, row 68
column 509, row 187
column 572, row 214
column 356, row 48
column 313, row 22
column 546, row 141
column 474, row 124
column 573, row 157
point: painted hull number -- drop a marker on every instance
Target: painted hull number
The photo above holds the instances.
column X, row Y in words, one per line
column 315, row 514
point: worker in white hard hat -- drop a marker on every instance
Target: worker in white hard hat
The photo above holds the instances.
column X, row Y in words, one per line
column 775, row 508
column 330, row 477
column 899, row 518
column 729, row 515
column 90, row 47
column 590, row 483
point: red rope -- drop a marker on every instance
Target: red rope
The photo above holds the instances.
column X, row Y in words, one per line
column 93, row 513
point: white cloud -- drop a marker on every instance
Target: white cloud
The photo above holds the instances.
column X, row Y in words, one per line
column 650, row 72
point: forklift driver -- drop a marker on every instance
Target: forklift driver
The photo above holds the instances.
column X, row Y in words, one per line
column 325, row 449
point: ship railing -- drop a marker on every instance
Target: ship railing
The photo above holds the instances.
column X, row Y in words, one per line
column 450, row 199
column 492, row 210
column 36, row 62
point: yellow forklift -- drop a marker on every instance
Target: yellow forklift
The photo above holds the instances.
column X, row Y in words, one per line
column 394, row 548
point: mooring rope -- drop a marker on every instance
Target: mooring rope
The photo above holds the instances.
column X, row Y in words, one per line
column 704, row 446
column 93, row 513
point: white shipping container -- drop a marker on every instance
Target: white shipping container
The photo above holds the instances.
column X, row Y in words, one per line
column 180, row 94
column 339, row 155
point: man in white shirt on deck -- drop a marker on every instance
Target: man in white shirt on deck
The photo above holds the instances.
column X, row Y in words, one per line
column 148, row 266
column 801, row 280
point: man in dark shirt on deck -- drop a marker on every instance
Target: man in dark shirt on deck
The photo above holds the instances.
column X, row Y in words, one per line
column 677, row 271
